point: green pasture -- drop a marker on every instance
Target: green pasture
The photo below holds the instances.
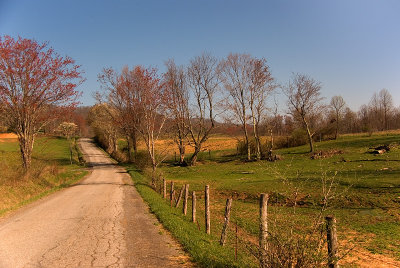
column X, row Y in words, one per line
column 51, row 170
column 364, row 189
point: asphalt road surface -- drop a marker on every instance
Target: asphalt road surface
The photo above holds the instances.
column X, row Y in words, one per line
column 100, row 222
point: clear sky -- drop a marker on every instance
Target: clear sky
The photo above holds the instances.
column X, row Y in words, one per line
column 351, row 46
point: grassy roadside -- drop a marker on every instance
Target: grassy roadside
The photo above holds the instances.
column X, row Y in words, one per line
column 204, row 249
column 51, row 171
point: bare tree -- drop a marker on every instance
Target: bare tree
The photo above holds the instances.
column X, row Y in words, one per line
column 248, row 82
column 386, row 106
column 364, row 116
column 303, row 93
column 203, row 83
column 234, row 73
column 350, row 123
column 338, row 105
column 375, row 113
column 261, row 85
column 175, row 83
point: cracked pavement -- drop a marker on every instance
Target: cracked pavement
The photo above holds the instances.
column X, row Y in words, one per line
column 100, row 222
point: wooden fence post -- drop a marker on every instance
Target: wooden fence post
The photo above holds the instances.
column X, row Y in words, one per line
column 185, row 200
column 180, row 196
column 164, row 188
column 172, row 192
column 332, row 241
column 236, row 241
column 194, row 206
column 263, row 228
column 207, row 208
column 226, row 223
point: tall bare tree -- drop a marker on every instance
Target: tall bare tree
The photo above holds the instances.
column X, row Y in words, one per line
column 338, row 105
column 261, row 85
column 248, row 82
column 375, row 113
column 234, row 73
column 304, row 100
column 203, row 83
column 178, row 101
column 386, row 106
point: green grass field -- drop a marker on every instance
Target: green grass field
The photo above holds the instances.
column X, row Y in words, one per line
column 51, row 170
column 365, row 193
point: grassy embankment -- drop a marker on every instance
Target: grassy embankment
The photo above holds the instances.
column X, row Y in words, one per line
column 51, row 171
column 366, row 197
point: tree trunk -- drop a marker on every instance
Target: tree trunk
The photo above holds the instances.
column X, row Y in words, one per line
column 256, row 138
column 26, row 146
column 386, row 121
column 246, row 138
column 193, row 159
column 310, row 141
column 337, row 126
column 181, row 152
column 128, row 140
column 134, row 142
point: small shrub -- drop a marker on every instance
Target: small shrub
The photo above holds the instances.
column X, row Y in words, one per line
column 298, row 138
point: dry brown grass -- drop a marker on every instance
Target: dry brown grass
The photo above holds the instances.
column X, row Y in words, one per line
column 213, row 143
column 385, row 132
column 8, row 137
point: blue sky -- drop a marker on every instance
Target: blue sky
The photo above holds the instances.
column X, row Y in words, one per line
column 351, row 46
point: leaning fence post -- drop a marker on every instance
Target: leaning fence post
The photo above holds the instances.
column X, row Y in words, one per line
column 263, row 228
column 207, row 208
column 226, row 223
column 185, row 200
column 332, row 241
column 164, row 188
column 194, row 206
column 180, row 196
column 172, row 192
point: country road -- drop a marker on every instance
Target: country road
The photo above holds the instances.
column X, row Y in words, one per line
column 99, row 222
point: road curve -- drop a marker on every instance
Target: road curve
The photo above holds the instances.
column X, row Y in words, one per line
column 99, row 222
